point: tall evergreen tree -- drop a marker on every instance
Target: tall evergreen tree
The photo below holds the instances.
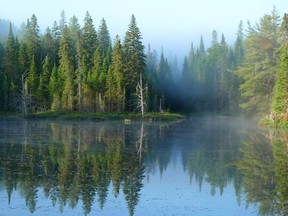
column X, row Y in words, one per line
column 239, row 45
column 103, row 37
column 62, row 22
column 90, row 41
column 33, row 43
column 75, row 31
column 280, row 98
column 135, row 61
column 56, row 35
column 32, row 84
column 48, row 44
column 2, row 90
column 10, row 72
column 67, row 70
column 114, row 84
column 258, row 68
column 55, row 89
column 43, row 96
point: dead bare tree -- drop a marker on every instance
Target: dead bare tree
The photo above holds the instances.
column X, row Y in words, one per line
column 139, row 142
column 23, row 99
column 24, row 95
column 141, row 93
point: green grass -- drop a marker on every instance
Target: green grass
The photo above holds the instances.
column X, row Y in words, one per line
column 266, row 122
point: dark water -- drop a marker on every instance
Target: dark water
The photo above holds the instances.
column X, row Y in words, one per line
column 201, row 166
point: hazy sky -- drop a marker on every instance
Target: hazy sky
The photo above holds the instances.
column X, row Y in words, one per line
column 173, row 24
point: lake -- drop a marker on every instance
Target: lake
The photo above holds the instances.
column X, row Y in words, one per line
column 200, row 166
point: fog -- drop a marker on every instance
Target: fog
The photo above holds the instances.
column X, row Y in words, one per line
column 172, row 25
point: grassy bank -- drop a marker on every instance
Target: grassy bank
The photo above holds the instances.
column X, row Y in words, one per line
column 278, row 121
column 96, row 116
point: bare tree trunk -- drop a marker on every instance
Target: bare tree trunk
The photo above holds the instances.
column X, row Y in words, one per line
column 24, row 96
column 140, row 96
column 140, row 142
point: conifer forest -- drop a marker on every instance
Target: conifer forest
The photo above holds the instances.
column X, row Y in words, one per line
column 80, row 68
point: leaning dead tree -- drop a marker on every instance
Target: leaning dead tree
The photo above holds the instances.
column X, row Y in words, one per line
column 141, row 93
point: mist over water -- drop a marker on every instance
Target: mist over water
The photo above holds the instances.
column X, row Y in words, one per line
column 196, row 166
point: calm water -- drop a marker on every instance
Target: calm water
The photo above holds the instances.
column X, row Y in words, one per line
column 201, row 166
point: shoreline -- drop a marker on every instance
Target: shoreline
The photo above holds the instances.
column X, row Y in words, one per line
column 97, row 116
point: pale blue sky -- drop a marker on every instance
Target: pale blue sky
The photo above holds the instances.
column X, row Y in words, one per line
column 168, row 23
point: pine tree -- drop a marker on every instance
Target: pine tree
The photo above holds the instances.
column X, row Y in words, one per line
column 56, row 35
column 10, row 69
column 55, row 90
column 259, row 66
column 32, row 80
column 48, row 44
column 280, row 98
column 151, row 77
column 2, row 90
column 23, row 60
column 103, row 37
column 75, row 31
column 239, row 45
column 90, row 41
column 66, row 68
column 33, row 43
column 62, row 22
column 135, row 61
column 114, row 94
column 43, row 96
column 91, row 85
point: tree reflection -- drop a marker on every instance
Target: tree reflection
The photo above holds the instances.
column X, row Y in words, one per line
column 280, row 150
column 75, row 162
column 78, row 162
column 264, row 166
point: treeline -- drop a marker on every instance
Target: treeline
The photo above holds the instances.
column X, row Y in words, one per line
column 74, row 68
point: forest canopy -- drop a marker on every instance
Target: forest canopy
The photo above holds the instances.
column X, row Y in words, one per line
column 80, row 68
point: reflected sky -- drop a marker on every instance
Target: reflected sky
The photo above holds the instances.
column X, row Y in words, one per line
column 195, row 167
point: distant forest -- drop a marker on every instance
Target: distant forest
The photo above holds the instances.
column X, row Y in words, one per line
column 74, row 68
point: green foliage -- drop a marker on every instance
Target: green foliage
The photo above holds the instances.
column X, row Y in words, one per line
column 114, row 84
column 91, row 75
column 280, row 99
column 66, row 68
column 135, row 61
column 103, row 37
column 90, row 41
column 33, row 41
column 259, row 67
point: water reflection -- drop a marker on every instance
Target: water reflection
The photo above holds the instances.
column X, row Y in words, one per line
column 264, row 165
column 76, row 163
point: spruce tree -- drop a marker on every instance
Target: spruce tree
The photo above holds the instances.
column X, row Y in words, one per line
column 23, row 60
column 56, row 35
column 103, row 37
column 67, row 70
column 75, row 32
column 239, row 45
column 43, row 96
column 2, row 90
column 32, row 84
column 258, row 69
column 90, row 41
column 135, row 61
column 114, row 94
column 55, row 89
column 10, row 70
column 33, row 43
column 48, row 44
column 280, row 98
